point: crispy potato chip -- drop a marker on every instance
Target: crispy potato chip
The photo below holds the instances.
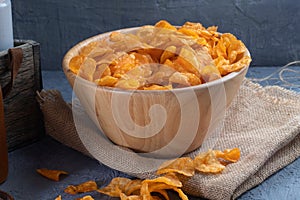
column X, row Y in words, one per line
column 81, row 188
column 58, row 198
column 131, row 197
column 210, row 73
column 106, row 81
column 101, row 71
column 226, row 69
column 88, row 197
column 207, row 162
column 231, row 155
column 86, row 50
column 157, row 187
column 51, row 174
column 133, row 187
column 164, row 193
column 87, row 69
column 128, row 84
column 168, row 53
column 76, row 62
column 169, row 179
column 180, row 193
column 115, row 187
column 183, row 165
column 165, row 24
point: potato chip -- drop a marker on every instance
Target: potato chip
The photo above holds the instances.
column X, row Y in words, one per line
column 87, row 69
column 131, row 197
column 106, row 81
column 180, row 193
column 231, row 155
column 183, row 165
column 179, row 78
column 101, row 71
column 133, row 187
column 115, row 187
column 88, row 197
column 58, row 198
column 207, row 162
column 76, row 62
column 128, row 84
column 153, row 52
column 88, row 186
column 165, row 24
column 210, row 73
column 86, row 50
column 169, row 53
column 158, row 187
column 226, row 69
column 169, row 179
column 51, row 174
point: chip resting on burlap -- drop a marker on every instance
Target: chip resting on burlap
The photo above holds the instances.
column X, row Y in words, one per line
column 264, row 122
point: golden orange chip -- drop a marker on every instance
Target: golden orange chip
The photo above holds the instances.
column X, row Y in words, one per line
column 106, row 81
column 51, row 174
column 131, row 197
column 164, row 193
column 88, row 197
column 58, row 198
column 133, row 187
column 158, row 187
column 165, row 24
column 210, row 73
column 183, row 165
column 86, row 50
column 232, row 155
column 168, row 53
column 189, row 32
column 208, row 162
column 169, row 179
column 87, row 69
column 88, row 186
column 76, row 62
column 180, row 193
column 115, row 187
column 226, row 69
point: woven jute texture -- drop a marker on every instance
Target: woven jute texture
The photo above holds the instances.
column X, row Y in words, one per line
column 264, row 122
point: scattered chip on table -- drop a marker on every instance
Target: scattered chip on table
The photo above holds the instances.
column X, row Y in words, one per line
column 88, row 186
column 51, row 174
column 183, row 165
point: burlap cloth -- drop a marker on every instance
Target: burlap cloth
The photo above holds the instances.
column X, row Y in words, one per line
column 264, row 122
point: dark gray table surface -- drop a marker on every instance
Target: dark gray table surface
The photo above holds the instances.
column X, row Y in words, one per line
column 24, row 183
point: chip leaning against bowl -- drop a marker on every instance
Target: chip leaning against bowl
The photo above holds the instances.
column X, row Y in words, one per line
column 161, row 57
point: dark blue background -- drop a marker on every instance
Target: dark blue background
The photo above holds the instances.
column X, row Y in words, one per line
column 269, row 28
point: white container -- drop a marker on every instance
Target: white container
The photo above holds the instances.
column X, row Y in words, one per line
column 6, row 28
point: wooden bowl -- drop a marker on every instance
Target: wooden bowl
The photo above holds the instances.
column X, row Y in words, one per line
column 165, row 122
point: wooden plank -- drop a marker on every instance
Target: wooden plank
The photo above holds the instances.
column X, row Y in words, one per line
column 23, row 117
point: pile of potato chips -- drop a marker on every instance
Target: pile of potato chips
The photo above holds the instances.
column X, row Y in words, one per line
column 212, row 161
column 160, row 57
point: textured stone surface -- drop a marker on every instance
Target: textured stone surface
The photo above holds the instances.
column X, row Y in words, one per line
column 23, row 182
column 269, row 28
